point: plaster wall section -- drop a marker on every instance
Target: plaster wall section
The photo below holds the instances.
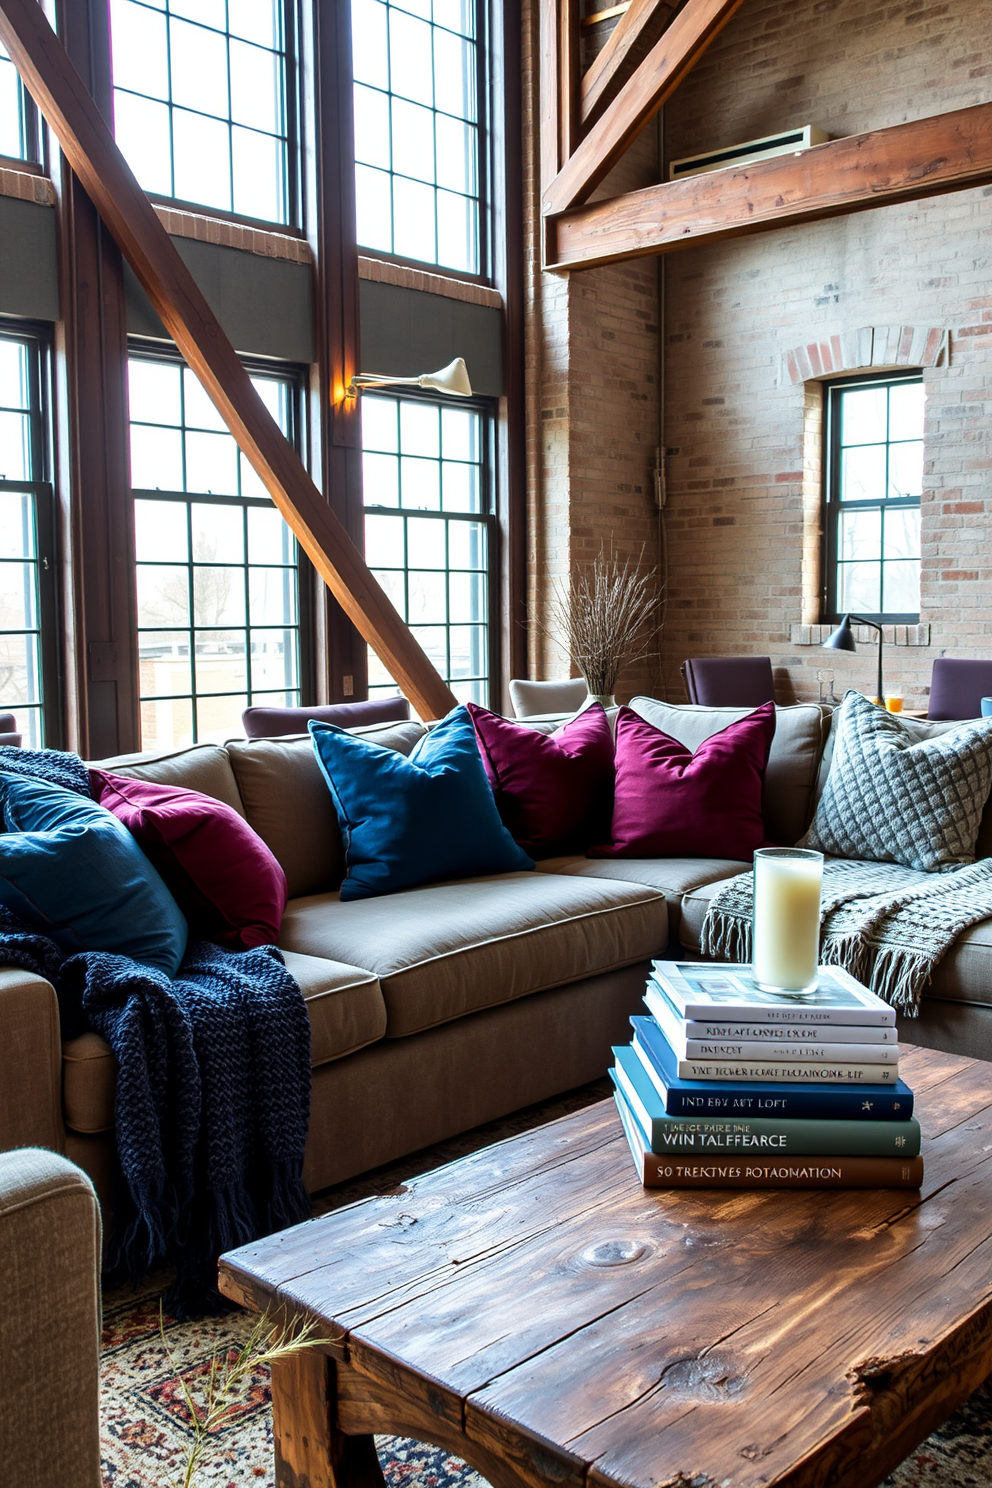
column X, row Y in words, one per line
column 743, row 464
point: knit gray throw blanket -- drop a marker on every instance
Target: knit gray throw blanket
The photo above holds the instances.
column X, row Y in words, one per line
column 885, row 924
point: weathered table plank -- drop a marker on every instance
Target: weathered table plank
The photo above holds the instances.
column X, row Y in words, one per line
column 535, row 1309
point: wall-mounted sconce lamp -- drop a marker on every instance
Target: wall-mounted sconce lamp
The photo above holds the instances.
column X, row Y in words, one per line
column 451, row 379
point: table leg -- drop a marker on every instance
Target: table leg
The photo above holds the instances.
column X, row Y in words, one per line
column 310, row 1450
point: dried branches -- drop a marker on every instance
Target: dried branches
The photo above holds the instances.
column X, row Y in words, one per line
column 607, row 618
column 230, row 1374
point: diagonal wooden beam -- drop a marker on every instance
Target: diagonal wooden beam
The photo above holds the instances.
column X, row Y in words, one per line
column 93, row 154
column 608, row 69
column 654, row 81
column 905, row 162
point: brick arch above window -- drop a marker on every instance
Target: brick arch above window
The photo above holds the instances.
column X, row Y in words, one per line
column 864, row 349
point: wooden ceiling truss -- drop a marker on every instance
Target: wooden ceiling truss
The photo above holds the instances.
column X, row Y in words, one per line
column 589, row 121
column 93, row 155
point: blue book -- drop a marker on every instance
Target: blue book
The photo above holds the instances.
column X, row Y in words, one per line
column 758, row 1097
column 753, row 1136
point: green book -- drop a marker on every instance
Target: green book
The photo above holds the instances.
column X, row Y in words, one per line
column 754, row 1135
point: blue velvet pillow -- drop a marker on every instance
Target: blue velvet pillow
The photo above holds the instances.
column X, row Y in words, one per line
column 73, row 870
column 415, row 820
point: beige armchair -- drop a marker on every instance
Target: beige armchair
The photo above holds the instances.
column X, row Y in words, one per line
column 49, row 1323
column 531, row 699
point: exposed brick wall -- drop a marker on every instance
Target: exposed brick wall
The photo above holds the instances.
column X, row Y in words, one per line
column 592, row 375
column 743, row 468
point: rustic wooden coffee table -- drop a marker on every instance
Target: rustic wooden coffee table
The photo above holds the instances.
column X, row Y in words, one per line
column 536, row 1311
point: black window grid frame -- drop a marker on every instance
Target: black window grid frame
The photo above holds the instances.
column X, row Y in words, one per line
column 46, row 559
column 292, row 183
column 485, row 517
column 832, row 506
column 30, row 127
column 484, row 162
column 294, row 379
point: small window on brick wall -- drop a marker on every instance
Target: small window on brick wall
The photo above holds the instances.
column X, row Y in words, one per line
column 872, row 487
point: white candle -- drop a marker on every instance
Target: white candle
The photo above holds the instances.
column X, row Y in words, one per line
column 786, row 923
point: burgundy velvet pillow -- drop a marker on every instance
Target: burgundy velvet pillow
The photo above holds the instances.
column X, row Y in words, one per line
column 554, row 792
column 224, row 878
column 671, row 803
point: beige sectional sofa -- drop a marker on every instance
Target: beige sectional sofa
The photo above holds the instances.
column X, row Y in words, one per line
column 441, row 1007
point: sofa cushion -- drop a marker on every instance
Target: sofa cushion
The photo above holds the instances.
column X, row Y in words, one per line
column 344, row 1002
column 555, row 794
column 673, row 876
column 70, row 868
column 224, row 878
column 443, row 950
column 287, row 802
column 673, row 801
column 695, row 903
column 917, row 729
column 203, row 767
column 793, row 760
column 964, row 973
column 414, row 821
column 893, row 798
column 346, row 1013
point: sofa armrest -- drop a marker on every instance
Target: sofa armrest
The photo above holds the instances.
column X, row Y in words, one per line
column 49, row 1323
column 30, row 1062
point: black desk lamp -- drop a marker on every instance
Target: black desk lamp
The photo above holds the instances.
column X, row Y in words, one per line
column 842, row 639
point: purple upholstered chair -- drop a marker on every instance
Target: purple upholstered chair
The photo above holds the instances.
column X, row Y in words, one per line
column 8, row 731
column 729, row 681
column 957, row 686
column 273, row 723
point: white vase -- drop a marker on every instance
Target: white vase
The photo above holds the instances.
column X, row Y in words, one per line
column 606, row 698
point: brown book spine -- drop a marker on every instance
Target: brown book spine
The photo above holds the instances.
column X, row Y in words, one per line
column 782, row 1172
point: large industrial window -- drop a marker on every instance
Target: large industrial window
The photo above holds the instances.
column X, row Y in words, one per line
column 418, row 127
column 429, row 532
column 874, row 480
column 18, row 117
column 203, row 101
column 28, row 634
column 218, row 574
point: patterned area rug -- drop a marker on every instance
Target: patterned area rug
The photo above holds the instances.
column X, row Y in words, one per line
column 146, row 1424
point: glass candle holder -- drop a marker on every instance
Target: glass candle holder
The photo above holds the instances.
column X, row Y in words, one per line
column 785, row 926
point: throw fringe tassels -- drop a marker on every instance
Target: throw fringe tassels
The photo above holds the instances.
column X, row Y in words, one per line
column 896, row 975
column 288, row 1201
column 725, row 937
column 848, row 952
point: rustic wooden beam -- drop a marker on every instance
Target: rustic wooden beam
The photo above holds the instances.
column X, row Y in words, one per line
column 905, row 162
column 91, row 151
column 608, row 69
column 549, row 91
column 655, row 80
column 569, row 75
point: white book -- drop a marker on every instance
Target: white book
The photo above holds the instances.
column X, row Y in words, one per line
column 791, row 1033
column 806, row 1051
column 706, row 989
column 792, row 1073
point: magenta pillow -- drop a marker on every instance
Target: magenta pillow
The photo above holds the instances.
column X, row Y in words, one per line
column 224, row 878
column 671, row 803
column 554, row 792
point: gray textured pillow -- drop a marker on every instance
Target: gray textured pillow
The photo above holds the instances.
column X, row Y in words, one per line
column 892, row 798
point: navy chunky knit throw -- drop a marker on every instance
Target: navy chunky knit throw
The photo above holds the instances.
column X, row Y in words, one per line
column 213, row 1092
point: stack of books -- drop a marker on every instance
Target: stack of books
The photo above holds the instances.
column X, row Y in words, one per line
column 727, row 1086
